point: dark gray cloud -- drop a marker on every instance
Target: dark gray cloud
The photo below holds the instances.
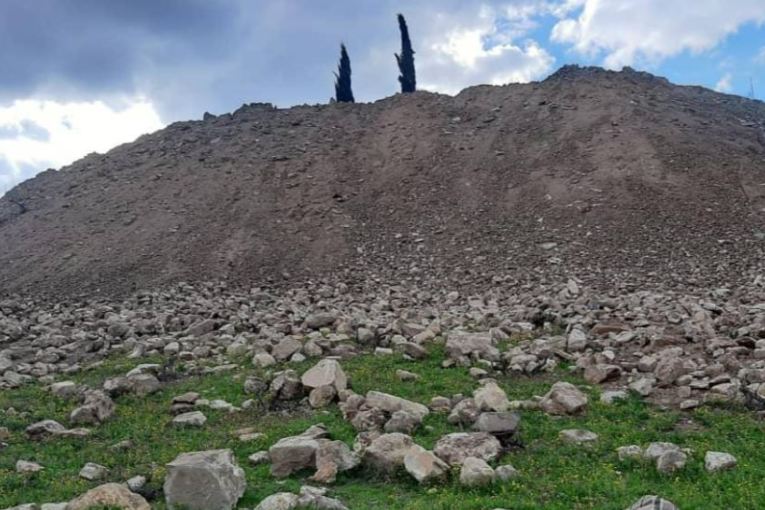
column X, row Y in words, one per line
column 188, row 56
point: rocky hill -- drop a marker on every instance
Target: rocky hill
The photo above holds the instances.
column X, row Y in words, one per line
column 605, row 176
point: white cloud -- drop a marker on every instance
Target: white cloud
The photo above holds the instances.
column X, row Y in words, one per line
column 476, row 48
column 629, row 31
column 73, row 130
column 724, row 84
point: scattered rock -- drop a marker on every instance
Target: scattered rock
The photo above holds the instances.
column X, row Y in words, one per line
column 475, row 472
column 578, row 436
column 387, row 452
column 207, row 480
column 652, row 503
column 718, row 461
column 92, row 471
column 190, row 419
column 563, row 398
column 110, row 495
column 455, row 448
column 424, row 465
column 326, row 372
column 490, row 397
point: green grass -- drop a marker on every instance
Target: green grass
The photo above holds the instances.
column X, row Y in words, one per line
column 553, row 475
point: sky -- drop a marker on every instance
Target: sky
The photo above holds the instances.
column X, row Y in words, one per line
column 78, row 76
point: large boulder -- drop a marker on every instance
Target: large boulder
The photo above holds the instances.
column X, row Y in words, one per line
column 455, row 448
column 326, row 372
column 208, row 480
column 387, row 452
column 109, row 495
column 563, row 398
column 424, row 465
column 294, row 453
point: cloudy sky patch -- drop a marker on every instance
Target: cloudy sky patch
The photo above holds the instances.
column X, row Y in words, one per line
column 85, row 75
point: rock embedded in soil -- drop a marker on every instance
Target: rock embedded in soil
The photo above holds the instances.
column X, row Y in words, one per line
column 718, row 461
column 110, row 495
column 564, row 398
column 92, row 471
column 206, row 480
column 475, row 472
column 652, row 503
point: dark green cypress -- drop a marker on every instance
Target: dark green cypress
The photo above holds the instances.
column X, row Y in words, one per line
column 343, row 92
column 406, row 59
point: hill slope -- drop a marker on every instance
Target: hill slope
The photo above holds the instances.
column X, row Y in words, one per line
column 603, row 175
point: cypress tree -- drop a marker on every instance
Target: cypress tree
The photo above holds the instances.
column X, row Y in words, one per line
column 406, row 59
column 343, row 92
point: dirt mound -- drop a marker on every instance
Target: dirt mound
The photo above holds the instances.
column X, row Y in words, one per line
column 603, row 175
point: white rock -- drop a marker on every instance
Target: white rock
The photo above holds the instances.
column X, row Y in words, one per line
column 717, row 461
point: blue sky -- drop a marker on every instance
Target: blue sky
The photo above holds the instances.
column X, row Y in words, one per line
column 85, row 75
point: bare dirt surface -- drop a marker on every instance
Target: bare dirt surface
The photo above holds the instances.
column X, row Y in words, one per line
column 614, row 178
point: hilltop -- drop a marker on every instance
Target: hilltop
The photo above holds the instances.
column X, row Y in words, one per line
column 609, row 177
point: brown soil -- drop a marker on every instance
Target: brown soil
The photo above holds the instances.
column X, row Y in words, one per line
column 634, row 180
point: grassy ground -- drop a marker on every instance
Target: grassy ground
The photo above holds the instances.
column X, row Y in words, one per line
column 553, row 475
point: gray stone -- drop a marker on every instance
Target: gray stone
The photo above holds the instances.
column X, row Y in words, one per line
column 92, row 471
column 601, row 372
column 455, row 448
column 611, row 396
column 490, row 397
column 632, row 451
column 326, row 372
column 657, row 449
column 286, row 348
column 392, row 403
column 258, row 458
column 65, row 389
column 402, row 421
column 424, row 465
column 207, row 480
column 671, row 461
column 96, row 408
column 652, row 503
column 294, row 453
column 576, row 341
column 718, row 461
column 24, row 466
column 322, row 396
column 320, row 320
column 387, row 452
column 475, row 472
column 498, row 424
column 563, row 398
column 191, row 419
column 462, row 347
column 109, row 495
column 506, row 472
column 578, row 436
